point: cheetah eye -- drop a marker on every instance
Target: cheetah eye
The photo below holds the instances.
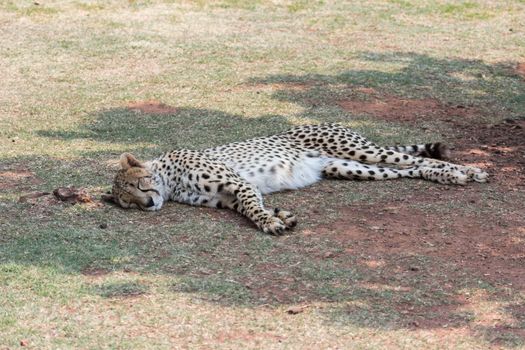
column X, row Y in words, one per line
column 146, row 187
column 141, row 185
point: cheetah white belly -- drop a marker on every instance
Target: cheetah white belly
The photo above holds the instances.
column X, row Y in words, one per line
column 278, row 176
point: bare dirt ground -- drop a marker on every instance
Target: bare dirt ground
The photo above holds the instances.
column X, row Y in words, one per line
column 151, row 107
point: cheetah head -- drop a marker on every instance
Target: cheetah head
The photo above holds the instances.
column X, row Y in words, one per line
column 135, row 186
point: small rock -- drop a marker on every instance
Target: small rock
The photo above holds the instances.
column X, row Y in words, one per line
column 24, row 342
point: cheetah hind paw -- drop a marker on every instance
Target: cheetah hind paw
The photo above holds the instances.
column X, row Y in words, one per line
column 287, row 218
column 476, row 174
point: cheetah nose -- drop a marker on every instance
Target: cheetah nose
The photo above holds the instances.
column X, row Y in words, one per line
column 151, row 203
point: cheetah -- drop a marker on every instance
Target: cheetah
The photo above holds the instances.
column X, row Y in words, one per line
column 236, row 175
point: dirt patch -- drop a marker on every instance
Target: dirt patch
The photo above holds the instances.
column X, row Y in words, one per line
column 18, row 179
column 492, row 247
column 151, row 107
column 499, row 147
column 394, row 108
column 397, row 243
column 94, row 272
column 520, row 69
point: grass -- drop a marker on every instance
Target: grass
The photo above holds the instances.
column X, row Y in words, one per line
column 94, row 276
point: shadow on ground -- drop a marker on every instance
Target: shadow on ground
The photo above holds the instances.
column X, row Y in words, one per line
column 169, row 127
column 409, row 77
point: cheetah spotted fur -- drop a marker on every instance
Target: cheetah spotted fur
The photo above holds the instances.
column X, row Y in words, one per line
column 236, row 175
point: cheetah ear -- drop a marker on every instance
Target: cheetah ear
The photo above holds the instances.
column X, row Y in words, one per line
column 127, row 160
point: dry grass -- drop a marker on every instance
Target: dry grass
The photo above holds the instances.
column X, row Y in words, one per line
column 93, row 276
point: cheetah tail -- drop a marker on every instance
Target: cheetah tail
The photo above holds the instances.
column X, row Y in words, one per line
column 430, row 150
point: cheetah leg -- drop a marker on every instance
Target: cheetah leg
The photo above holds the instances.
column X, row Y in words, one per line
column 251, row 206
column 348, row 169
column 353, row 170
column 245, row 198
column 440, row 151
column 443, row 172
column 231, row 202
column 339, row 142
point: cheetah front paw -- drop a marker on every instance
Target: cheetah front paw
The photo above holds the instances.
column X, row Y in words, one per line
column 274, row 226
column 286, row 217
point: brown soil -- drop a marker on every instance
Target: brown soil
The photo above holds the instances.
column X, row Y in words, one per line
column 18, row 179
column 151, row 107
column 499, row 148
column 394, row 108
column 489, row 246
column 94, row 272
column 520, row 69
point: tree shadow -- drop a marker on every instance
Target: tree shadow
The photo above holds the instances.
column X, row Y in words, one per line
column 491, row 88
column 171, row 128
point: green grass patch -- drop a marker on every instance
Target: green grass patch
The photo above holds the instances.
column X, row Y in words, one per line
column 120, row 289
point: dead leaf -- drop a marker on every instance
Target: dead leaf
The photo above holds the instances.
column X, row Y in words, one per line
column 72, row 195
